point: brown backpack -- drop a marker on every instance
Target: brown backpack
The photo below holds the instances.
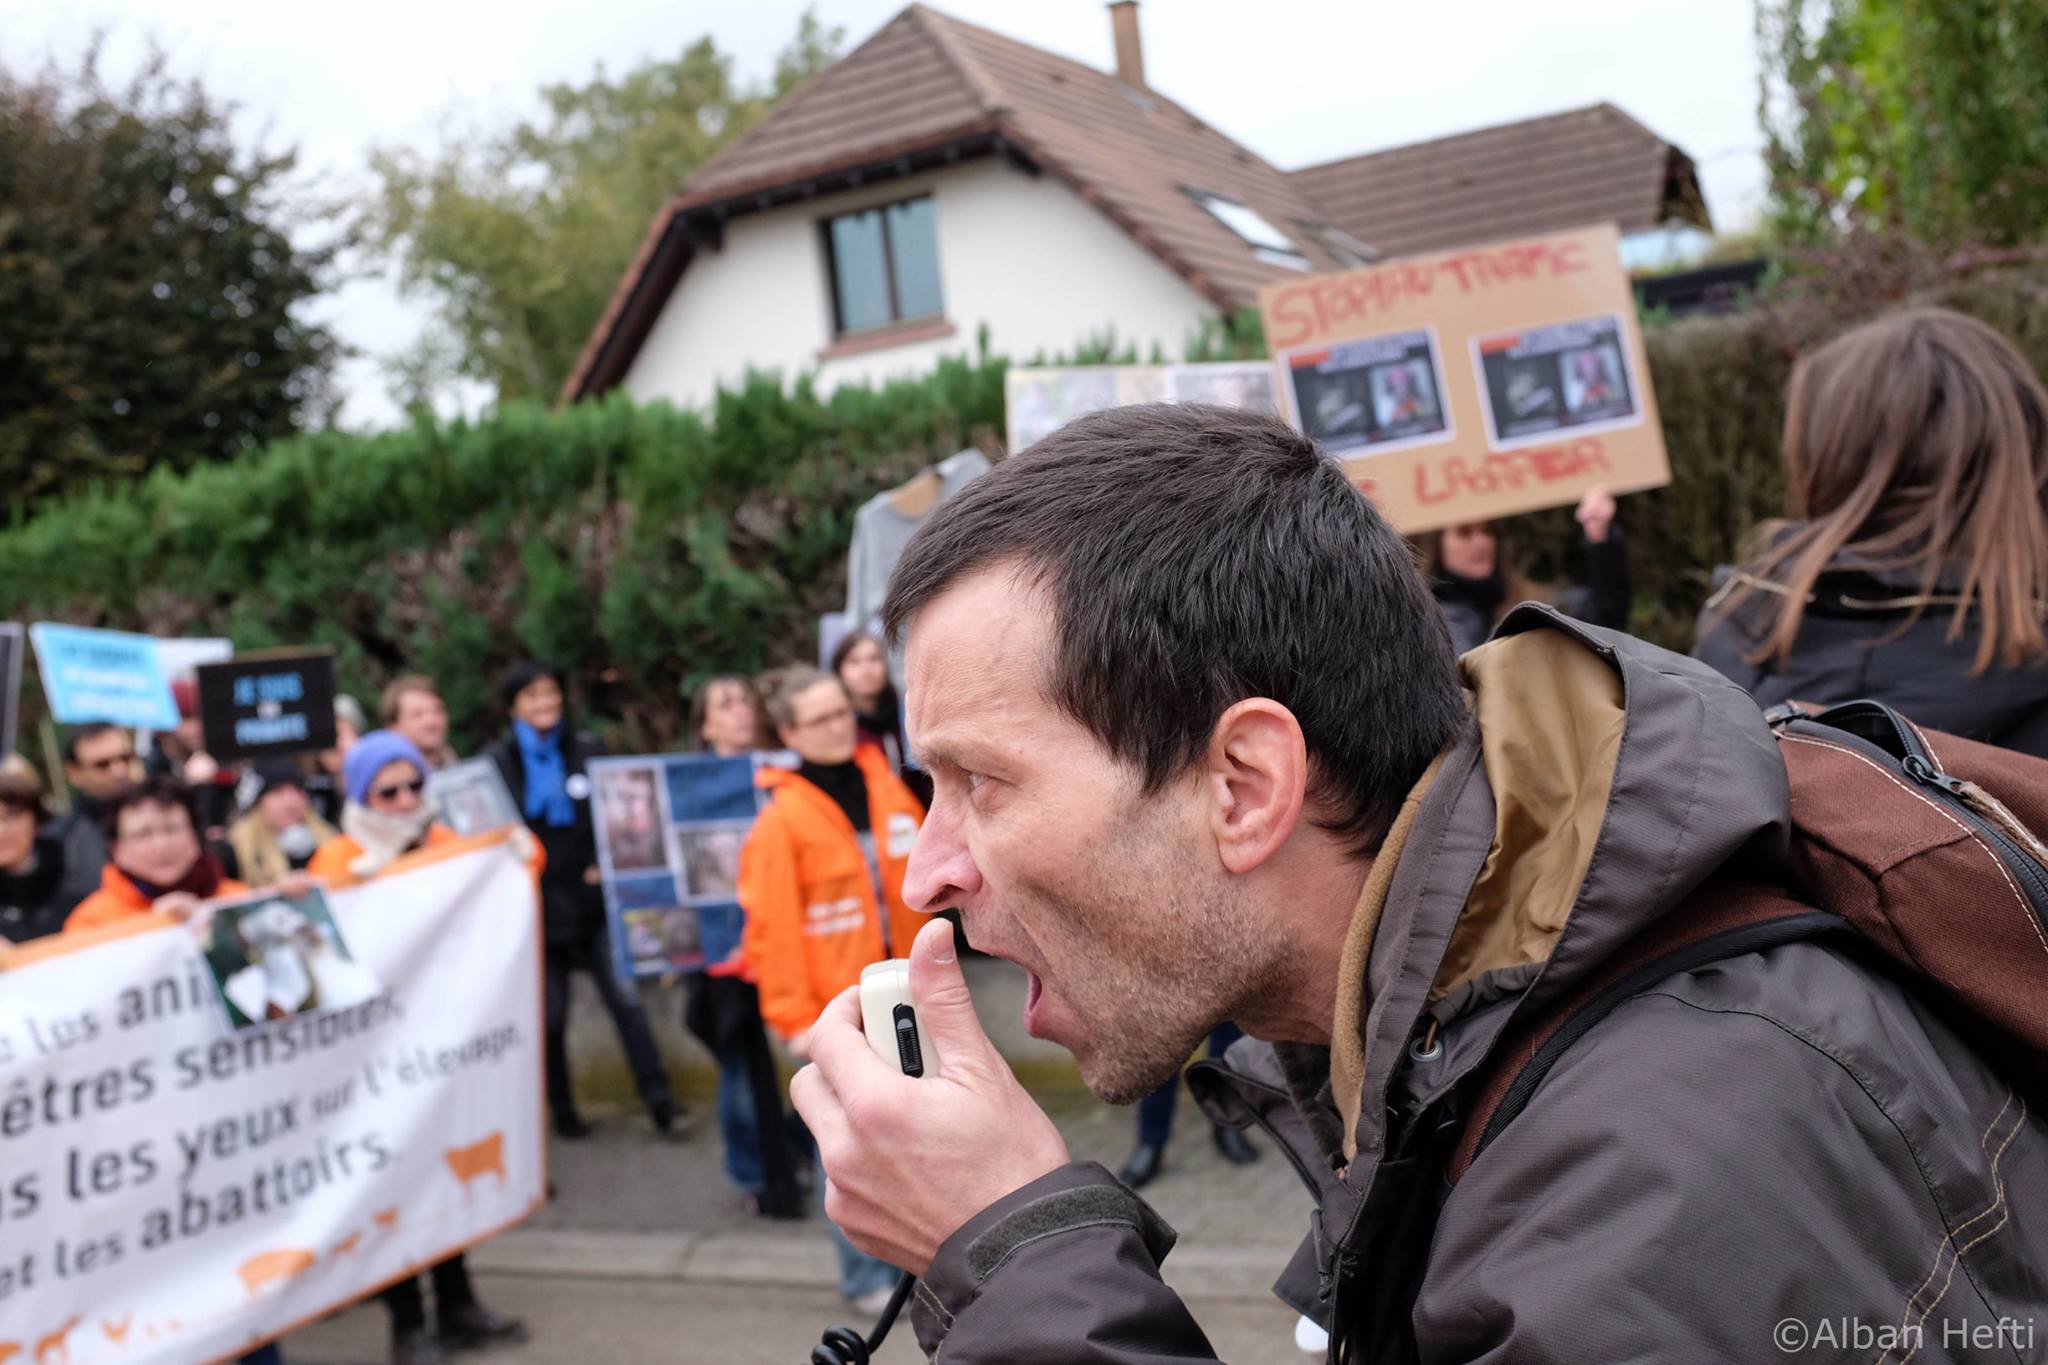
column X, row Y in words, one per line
column 1921, row 844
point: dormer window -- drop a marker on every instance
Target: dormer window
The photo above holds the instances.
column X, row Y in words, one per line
column 1267, row 242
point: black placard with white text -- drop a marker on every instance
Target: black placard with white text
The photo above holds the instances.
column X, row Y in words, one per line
column 274, row 703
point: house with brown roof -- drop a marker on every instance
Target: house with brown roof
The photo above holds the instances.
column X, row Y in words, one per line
column 941, row 179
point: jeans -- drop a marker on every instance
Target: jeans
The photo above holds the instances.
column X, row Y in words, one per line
column 264, row 1355
column 592, row 954
column 859, row 1273
column 1155, row 1111
column 737, row 1126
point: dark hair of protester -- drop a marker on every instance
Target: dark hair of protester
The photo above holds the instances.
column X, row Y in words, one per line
column 1916, row 443
column 522, row 675
column 159, row 790
column 79, row 734
column 1192, row 557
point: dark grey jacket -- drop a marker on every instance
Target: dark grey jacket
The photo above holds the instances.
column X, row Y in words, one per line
column 1851, row 646
column 1790, row 1134
column 84, row 840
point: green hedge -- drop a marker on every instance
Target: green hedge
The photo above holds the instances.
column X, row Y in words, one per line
column 646, row 548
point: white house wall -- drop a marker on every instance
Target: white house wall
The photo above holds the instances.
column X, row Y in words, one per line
column 1023, row 254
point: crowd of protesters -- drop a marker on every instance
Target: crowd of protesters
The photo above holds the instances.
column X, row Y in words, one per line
column 1914, row 568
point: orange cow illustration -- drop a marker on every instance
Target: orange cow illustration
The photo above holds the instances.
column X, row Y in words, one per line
column 117, row 1332
column 478, row 1159
column 55, row 1349
column 9, row 1350
column 274, row 1267
column 346, row 1245
column 387, row 1219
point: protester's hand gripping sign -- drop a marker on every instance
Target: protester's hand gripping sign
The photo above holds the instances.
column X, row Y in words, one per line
column 1473, row 384
column 211, row 1133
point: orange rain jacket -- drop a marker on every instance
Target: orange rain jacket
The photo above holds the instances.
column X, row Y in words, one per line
column 118, row 898
column 331, row 861
column 810, row 901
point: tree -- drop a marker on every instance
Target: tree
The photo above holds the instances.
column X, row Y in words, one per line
column 522, row 234
column 150, row 283
column 1922, row 117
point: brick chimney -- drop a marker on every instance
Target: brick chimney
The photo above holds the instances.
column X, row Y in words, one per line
column 1130, row 49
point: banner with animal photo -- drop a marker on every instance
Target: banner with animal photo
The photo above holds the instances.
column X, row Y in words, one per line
column 214, row 1132
column 1473, row 384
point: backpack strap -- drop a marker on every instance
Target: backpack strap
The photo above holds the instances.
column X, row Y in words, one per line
column 1717, row 923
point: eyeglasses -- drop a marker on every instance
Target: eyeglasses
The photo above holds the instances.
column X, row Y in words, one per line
column 144, row 833
column 107, row 765
column 829, row 718
column 391, row 793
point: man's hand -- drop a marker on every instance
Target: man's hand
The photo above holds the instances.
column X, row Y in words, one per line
column 1596, row 514
column 179, row 905
column 907, row 1161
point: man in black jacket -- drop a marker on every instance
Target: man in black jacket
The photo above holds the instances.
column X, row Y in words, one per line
column 99, row 761
column 1202, row 752
column 542, row 761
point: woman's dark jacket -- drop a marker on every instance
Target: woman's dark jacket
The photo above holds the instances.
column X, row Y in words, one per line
column 1854, row 642
column 571, row 908
column 1472, row 607
column 35, row 902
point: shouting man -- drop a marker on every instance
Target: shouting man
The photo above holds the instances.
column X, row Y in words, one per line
column 1203, row 752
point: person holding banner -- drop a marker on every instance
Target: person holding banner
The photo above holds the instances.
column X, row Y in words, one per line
column 387, row 816
column 279, row 833
column 156, row 862
column 821, row 880
column 723, row 1007
column 32, row 900
column 1476, row 582
column 99, row 762
column 542, row 761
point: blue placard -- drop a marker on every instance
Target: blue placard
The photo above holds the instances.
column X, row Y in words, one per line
column 103, row 675
column 669, row 830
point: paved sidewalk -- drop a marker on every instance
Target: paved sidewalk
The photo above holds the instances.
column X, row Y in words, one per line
column 631, row 1207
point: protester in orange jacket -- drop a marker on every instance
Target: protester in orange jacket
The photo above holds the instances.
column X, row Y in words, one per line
column 386, row 815
column 155, row 861
column 836, row 830
column 821, row 880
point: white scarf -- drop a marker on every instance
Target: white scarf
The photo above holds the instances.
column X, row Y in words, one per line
column 384, row 837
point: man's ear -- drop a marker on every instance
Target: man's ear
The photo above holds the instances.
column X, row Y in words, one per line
column 1256, row 768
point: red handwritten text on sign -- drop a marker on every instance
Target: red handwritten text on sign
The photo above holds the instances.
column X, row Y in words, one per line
column 1452, row 476
column 1329, row 305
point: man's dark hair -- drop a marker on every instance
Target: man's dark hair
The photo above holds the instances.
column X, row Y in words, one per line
column 20, row 791
column 160, row 790
column 1193, row 557
column 80, row 734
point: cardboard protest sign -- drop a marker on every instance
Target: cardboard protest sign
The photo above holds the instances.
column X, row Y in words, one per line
column 276, row 702
column 669, row 831
column 103, row 675
column 1040, row 400
column 13, row 644
column 178, row 1189
column 472, row 796
column 1473, row 384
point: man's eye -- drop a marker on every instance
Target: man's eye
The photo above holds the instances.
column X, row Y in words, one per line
column 974, row 781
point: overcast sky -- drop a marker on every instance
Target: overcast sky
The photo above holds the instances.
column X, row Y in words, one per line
column 1297, row 81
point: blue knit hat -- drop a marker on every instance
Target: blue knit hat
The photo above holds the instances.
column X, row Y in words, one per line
column 373, row 752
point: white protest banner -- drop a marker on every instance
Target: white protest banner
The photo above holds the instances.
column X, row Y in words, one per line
column 174, row 1189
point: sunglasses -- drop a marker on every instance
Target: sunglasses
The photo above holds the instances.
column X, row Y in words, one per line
column 391, row 793
column 107, row 765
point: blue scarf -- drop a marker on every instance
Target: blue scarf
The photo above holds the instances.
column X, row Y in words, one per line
column 547, row 793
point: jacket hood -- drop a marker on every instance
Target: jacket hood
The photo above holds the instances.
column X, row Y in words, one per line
column 1605, row 780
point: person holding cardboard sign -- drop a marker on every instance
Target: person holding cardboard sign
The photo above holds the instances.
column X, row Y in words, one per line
column 1476, row 582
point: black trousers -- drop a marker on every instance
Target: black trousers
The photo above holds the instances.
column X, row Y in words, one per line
column 408, row 1304
column 592, row 954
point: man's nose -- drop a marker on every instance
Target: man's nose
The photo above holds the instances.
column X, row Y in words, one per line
column 941, row 871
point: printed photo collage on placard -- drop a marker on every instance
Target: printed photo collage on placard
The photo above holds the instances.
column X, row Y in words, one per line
column 669, row 830
column 1376, row 394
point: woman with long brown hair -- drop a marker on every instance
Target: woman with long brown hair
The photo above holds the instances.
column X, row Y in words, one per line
column 1916, row 570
